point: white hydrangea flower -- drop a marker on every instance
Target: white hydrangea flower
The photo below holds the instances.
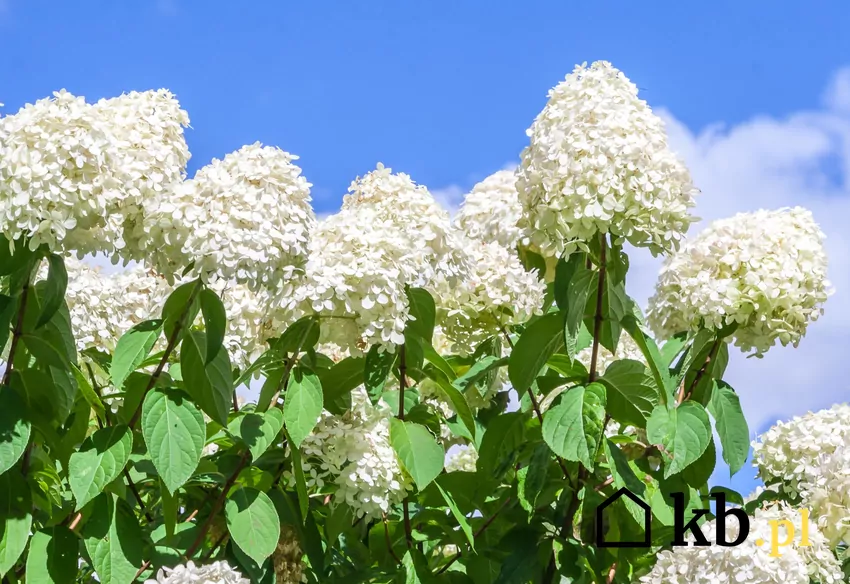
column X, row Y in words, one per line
column 463, row 459
column 389, row 234
column 245, row 218
column 58, row 173
column 765, row 271
column 354, row 452
column 749, row 563
column 147, row 134
column 808, row 458
column 598, row 162
column 789, row 451
column 491, row 210
column 215, row 573
column 104, row 307
column 496, row 292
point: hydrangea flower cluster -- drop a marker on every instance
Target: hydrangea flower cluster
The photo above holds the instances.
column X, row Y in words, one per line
column 809, row 456
column 389, row 234
column 598, row 162
column 491, row 210
column 215, row 573
column 462, row 459
column 354, row 452
column 72, row 174
column 57, row 171
column 245, row 218
column 749, row 563
column 104, row 307
column 147, row 138
column 495, row 293
column 286, row 558
column 765, row 271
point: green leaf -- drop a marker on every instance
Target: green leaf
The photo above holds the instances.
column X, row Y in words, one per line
column 15, row 519
column 209, row 383
column 45, row 353
column 57, row 283
column 684, row 432
column 88, row 391
column 257, row 431
column 113, row 539
column 532, row 478
column 699, row 472
column 479, row 370
column 215, row 321
column 14, row 429
column 271, row 386
column 459, row 403
column 132, row 348
column 500, row 443
column 99, row 461
column 170, row 509
column 650, row 351
column 625, row 477
column 536, row 344
column 632, row 393
column 423, row 313
column 731, row 426
column 8, row 306
column 52, row 557
column 578, row 292
column 181, row 308
column 174, row 432
column 300, row 481
column 459, row 517
column 338, row 381
column 302, row 406
column 573, row 428
column 12, row 261
column 378, row 366
column 300, row 336
column 417, row 450
column 253, row 523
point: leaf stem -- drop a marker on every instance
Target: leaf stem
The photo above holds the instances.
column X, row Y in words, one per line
column 172, row 344
column 387, row 537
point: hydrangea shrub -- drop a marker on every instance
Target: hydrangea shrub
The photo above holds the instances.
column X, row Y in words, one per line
column 434, row 400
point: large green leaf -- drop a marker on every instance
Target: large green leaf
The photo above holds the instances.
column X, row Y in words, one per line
column 14, row 429
column 532, row 478
column 54, row 294
column 417, row 450
column 174, row 432
column 113, row 539
column 133, row 347
column 573, row 428
column 459, row 517
column 500, row 443
column 339, row 380
column 725, row 408
column 378, row 366
column 660, row 372
column 99, row 461
column 684, row 432
column 300, row 336
column 302, row 405
column 52, row 557
column 209, row 384
column 180, row 308
column 536, row 344
column 15, row 519
column 423, row 313
column 253, row 523
column 579, row 289
column 625, row 477
column 479, row 370
column 632, row 393
column 257, row 431
column 215, row 321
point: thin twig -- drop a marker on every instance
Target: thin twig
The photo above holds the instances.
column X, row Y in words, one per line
column 138, row 497
column 611, row 573
column 387, row 537
column 712, row 355
column 218, row 503
column 476, row 534
column 172, row 344
column 601, row 486
column 221, row 540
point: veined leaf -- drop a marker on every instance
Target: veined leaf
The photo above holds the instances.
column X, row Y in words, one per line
column 253, row 523
column 417, row 450
column 684, row 432
column 302, row 405
column 573, row 428
column 99, row 461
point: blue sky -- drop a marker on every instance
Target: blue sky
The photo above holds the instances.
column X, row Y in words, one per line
column 756, row 95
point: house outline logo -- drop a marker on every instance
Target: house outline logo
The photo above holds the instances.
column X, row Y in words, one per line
column 647, row 517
